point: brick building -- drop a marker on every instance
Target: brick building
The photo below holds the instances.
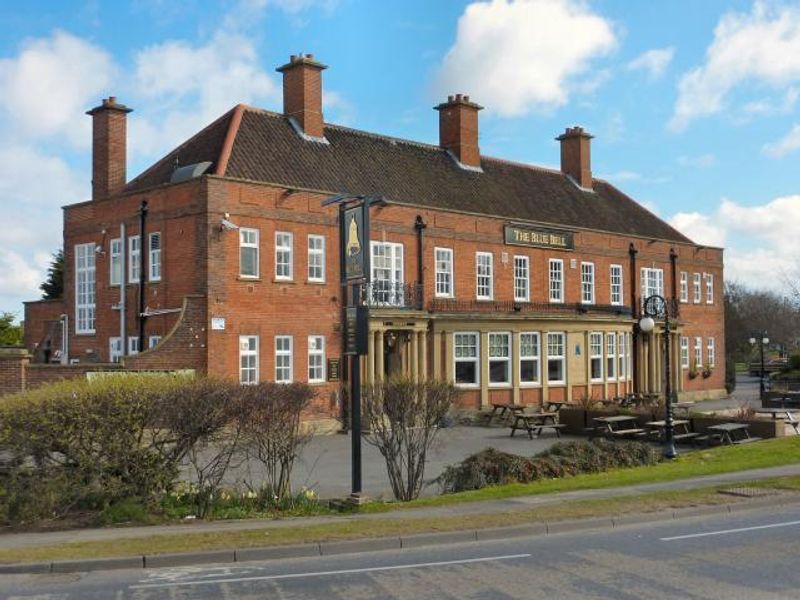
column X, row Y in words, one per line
column 515, row 281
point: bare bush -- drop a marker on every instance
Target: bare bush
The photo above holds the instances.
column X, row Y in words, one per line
column 402, row 417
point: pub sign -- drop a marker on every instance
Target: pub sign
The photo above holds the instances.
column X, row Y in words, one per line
column 354, row 238
column 356, row 329
column 539, row 237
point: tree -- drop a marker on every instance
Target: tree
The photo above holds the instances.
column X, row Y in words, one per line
column 10, row 334
column 53, row 286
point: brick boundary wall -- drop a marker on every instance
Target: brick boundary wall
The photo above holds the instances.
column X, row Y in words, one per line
column 14, row 363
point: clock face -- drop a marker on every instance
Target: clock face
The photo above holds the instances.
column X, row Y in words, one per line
column 655, row 306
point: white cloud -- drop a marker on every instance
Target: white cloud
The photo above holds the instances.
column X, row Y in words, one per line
column 699, row 228
column 654, row 62
column 761, row 47
column 517, row 56
column 703, row 161
column 787, row 144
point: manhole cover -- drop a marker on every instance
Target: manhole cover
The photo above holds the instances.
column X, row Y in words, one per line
column 749, row 492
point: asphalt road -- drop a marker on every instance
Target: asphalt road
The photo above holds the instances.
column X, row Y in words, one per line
column 753, row 554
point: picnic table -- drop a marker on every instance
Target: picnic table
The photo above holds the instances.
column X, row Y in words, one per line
column 535, row 422
column 554, row 405
column 502, row 408
column 618, row 426
column 733, row 433
column 683, row 407
column 680, row 429
column 787, row 414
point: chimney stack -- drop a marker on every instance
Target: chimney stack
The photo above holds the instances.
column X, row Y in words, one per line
column 458, row 129
column 109, row 153
column 302, row 93
column 576, row 158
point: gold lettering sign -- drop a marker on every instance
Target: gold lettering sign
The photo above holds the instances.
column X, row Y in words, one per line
column 519, row 235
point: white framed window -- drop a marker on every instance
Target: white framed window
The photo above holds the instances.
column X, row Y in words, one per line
column 466, row 353
column 154, row 256
column 248, row 359
column 387, row 274
column 283, row 255
column 115, row 264
column 529, row 352
column 522, row 279
column 652, row 282
column 596, row 356
column 611, row 356
column 248, row 253
column 556, row 277
column 615, row 277
column 711, row 352
column 684, row 352
column 684, row 287
column 316, row 258
column 622, row 356
column 134, row 258
column 133, row 344
column 587, row 283
column 556, row 358
column 484, row 275
column 316, row 359
column 85, row 288
column 697, row 277
column 698, row 352
column 114, row 349
column 443, row 263
column 499, row 359
column 153, row 341
column 709, row 288
column 629, row 359
column 283, row 359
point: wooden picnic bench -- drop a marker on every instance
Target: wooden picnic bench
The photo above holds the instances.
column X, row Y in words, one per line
column 619, row 426
column 733, row 433
column 787, row 414
column 536, row 422
column 502, row 408
column 680, row 430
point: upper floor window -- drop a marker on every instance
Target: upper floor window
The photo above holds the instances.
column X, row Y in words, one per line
column 522, row 279
column 500, row 358
column 466, row 350
column 248, row 359
column 556, row 275
column 596, row 356
column 587, row 283
column 484, row 275
column 316, row 359
column 248, row 252
column 443, row 259
column 616, row 284
column 283, row 255
column 154, row 256
column 684, row 286
column 115, row 274
column 529, row 358
column 283, row 359
column 85, row 288
column 316, row 258
column 709, row 288
column 652, row 282
column 134, row 258
column 387, row 274
column 556, row 357
column 696, row 288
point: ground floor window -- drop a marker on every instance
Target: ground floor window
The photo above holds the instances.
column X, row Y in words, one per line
column 283, row 358
column 596, row 356
column 611, row 355
column 153, row 341
column 114, row 349
column 556, row 355
column 684, row 352
column 466, row 353
column 622, row 343
column 499, row 358
column 248, row 359
column 133, row 345
column 712, row 352
column 528, row 358
column 316, row 359
column 698, row 352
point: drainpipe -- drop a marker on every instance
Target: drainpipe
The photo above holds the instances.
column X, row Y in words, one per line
column 123, row 289
column 632, row 251
column 142, row 269
column 420, row 226
column 673, row 259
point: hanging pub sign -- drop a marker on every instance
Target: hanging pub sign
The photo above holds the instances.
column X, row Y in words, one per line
column 356, row 330
column 539, row 237
column 354, row 238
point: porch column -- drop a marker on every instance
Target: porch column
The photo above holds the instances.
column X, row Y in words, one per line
column 484, row 368
column 379, row 368
column 449, row 374
column 414, row 356
column 371, row 357
column 423, row 355
column 515, row 386
column 438, row 371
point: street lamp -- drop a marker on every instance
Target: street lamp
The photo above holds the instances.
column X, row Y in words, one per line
column 656, row 306
column 762, row 341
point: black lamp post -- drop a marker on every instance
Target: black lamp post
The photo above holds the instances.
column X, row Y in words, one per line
column 762, row 340
column 656, row 307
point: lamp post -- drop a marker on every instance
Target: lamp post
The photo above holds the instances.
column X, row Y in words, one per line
column 656, row 306
column 762, row 341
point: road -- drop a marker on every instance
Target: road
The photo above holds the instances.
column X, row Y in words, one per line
column 753, row 554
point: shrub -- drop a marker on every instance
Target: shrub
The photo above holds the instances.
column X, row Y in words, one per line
column 492, row 467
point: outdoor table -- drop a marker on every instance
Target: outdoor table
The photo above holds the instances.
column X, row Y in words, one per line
column 787, row 414
column 503, row 408
column 554, row 405
column 684, row 407
column 535, row 422
column 733, row 433
column 680, row 429
column 619, row 426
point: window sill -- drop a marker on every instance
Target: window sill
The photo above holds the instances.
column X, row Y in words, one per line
column 556, row 384
column 467, row 386
column 442, row 297
column 86, row 333
column 499, row 386
column 529, row 386
column 247, row 278
column 310, row 282
column 284, row 281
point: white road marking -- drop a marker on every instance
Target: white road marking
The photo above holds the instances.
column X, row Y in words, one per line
column 726, row 531
column 324, row 573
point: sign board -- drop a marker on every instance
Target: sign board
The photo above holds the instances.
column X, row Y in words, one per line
column 539, row 237
column 354, row 240
column 217, row 323
column 356, row 330
column 334, row 369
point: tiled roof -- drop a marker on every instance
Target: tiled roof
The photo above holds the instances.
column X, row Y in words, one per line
column 267, row 148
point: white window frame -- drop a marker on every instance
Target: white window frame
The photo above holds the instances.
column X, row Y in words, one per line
column 134, row 259
column 153, row 341
column 562, row 358
column 85, row 288
column 247, row 352
column 154, row 257
column 284, row 255
column 711, row 352
column 283, row 353
column 317, row 351
column 596, row 346
column 316, row 255
column 522, row 279
column 484, row 272
column 616, row 285
column 629, row 358
column 534, row 358
column 696, row 282
column 476, row 360
column 246, row 232
column 684, row 287
column 684, row 352
column 133, row 344
column 652, row 282
column 622, row 342
column 493, row 335
column 387, row 282
column 587, row 283
column 115, row 353
column 709, row 288
column 115, row 274
column 556, row 284
column 698, row 352
column 611, row 356
column 443, row 269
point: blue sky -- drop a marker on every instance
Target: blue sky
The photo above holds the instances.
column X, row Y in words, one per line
column 694, row 105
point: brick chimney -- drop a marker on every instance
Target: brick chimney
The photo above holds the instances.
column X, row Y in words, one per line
column 302, row 93
column 458, row 129
column 576, row 158
column 109, row 141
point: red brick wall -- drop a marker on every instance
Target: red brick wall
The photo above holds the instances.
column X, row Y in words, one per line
column 36, row 315
column 13, row 370
column 39, row 375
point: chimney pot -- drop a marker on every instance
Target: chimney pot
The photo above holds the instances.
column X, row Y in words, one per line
column 576, row 159
column 458, row 129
